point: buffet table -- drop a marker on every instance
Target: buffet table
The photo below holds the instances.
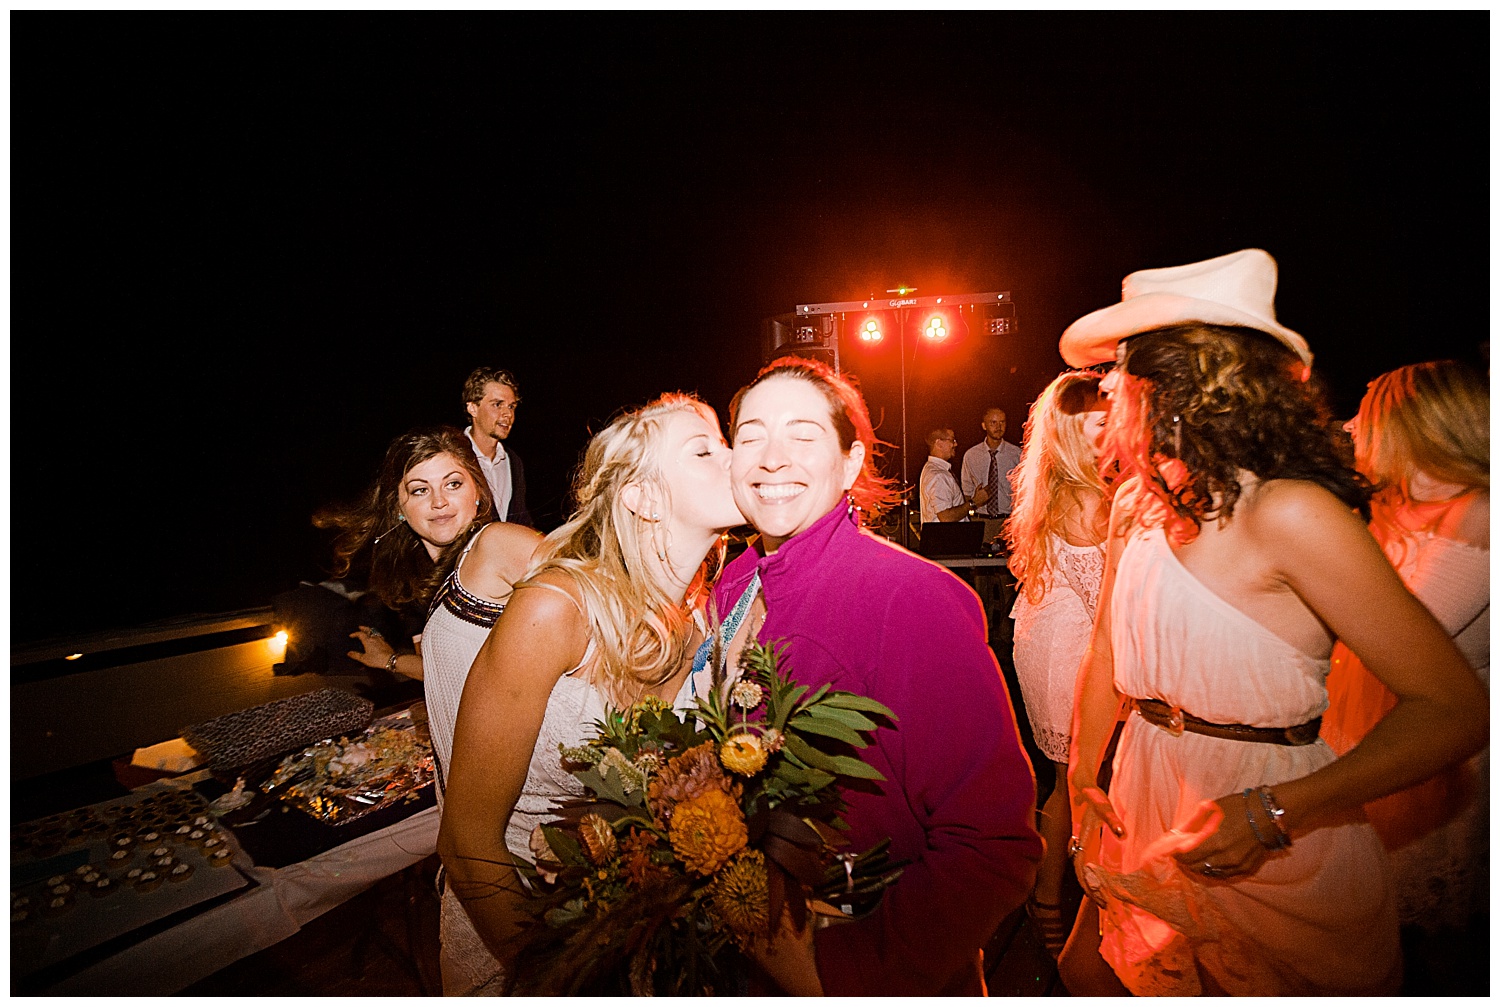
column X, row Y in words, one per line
column 148, row 893
column 282, row 900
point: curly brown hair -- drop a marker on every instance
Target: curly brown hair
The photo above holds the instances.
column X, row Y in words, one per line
column 1221, row 400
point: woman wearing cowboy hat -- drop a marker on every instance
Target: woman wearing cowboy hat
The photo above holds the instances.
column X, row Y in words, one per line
column 1229, row 855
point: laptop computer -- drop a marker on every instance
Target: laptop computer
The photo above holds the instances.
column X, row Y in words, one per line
column 951, row 538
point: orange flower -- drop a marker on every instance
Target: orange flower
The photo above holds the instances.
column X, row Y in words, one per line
column 689, row 775
column 707, row 830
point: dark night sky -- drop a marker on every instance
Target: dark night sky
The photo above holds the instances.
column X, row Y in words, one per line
column 249, row 250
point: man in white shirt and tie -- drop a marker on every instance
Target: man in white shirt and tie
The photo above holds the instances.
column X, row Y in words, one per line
column 987, row 465
column 491, row 397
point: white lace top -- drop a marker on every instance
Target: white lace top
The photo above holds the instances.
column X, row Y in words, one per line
column 1050, row 638
column 572, row 710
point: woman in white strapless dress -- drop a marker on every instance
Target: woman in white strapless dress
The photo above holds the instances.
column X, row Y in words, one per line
column 1422, row 439
column 1230, row 855
column 610, row 613
column 1056, row 533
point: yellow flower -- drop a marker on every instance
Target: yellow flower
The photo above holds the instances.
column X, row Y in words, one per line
column 744, row 754
column 707, row 830
column 741, row 895
column 598, row 838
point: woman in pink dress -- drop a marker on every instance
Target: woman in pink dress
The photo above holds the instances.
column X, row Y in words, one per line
column 1230, row 855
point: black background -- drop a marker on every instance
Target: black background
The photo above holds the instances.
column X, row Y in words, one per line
column 250, row 249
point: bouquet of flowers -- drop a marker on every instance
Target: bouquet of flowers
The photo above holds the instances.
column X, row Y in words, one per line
column 697, row 834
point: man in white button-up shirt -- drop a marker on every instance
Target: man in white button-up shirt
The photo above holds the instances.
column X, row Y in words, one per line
column 492, row 398
column 940, row 496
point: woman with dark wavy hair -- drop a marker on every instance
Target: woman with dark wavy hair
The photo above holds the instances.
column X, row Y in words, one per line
column 407, row 531
column 1229, row 856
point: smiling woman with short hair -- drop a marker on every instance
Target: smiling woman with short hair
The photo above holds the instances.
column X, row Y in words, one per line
column 856, row 612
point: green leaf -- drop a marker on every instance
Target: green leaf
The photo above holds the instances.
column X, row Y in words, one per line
column 849, row 718
column 827, row 728
column 809, row 755
column 848, row 765
column 811, row 779
column 609, row 786
column 564, row 847
column 849, row 701
column 822, row 691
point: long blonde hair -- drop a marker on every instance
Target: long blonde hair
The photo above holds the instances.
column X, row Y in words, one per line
column 1056, row 476
column 1432, row 417
column 641, row 631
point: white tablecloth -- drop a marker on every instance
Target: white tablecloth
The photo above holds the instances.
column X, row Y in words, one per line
column 286, row 898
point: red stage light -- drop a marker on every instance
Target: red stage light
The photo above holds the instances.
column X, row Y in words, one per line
column 870, row 331
column 937, row 328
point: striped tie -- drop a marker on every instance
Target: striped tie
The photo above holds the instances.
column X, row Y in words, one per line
column 992, row 484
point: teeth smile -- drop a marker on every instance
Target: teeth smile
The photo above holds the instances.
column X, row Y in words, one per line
column 778, row 491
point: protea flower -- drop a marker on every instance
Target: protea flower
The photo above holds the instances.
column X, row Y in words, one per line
column 598, row 839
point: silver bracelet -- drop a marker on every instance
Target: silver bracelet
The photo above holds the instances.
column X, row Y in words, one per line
column 1276, row 811
column 391, row 664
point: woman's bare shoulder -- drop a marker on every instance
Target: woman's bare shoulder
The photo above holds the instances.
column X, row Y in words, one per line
column 542, row 631
column 508, row 544
column 1473, row 525
column 1294, row 518
column 552, row 592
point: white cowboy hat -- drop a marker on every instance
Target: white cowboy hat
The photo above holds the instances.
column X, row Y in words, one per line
column 1234, row 289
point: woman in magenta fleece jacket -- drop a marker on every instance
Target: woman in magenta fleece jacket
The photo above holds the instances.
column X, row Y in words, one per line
column 859, row 613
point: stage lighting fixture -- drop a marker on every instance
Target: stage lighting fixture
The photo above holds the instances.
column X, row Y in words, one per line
column 870, row 331
column 936, row 329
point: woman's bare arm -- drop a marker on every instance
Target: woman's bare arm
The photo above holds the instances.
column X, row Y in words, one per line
column 1324, row 553
column 540, row 636
column 1096, row 703
column 1327, row 556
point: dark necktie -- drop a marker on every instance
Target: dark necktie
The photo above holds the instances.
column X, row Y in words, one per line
column 992, row 484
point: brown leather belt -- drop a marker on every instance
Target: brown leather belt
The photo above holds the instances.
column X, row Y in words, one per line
column 1176, row 720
